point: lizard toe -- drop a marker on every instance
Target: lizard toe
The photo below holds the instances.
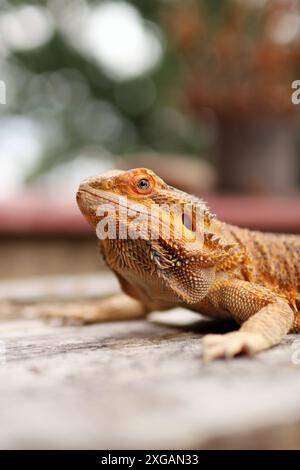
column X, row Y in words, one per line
column 232, row 344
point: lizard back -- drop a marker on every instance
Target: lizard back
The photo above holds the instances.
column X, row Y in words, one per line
column 272, row 260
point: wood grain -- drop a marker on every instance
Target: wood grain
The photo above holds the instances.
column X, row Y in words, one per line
column 138, row 384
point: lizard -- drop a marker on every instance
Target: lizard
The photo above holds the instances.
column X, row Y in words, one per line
column 214, row 268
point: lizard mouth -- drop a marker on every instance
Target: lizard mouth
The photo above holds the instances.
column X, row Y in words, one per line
column 100, row 196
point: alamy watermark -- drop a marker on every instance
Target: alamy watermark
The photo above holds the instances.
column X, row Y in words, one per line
column 296, row 94
column 2, row 92
column 295, row 356
column 122, row 220
column 2, row 353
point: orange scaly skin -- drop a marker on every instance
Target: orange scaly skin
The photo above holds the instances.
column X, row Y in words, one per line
column 251, row 277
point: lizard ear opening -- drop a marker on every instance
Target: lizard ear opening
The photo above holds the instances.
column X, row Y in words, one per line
column 188, row 222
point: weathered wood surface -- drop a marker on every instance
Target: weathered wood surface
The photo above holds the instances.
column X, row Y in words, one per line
column 138, row 384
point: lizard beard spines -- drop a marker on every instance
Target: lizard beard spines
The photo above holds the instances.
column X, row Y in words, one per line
column 214, row 242
column 219, row 250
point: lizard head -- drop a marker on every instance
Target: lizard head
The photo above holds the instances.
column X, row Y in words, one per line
column 154, row 231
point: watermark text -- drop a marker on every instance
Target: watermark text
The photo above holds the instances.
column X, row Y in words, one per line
column 2, row 92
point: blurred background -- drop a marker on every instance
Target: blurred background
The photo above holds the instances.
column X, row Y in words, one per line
column 199, row 91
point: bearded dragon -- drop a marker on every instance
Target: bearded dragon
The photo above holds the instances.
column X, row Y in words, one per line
column 216, row 269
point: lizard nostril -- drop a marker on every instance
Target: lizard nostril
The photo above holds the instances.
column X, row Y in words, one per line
column 109, row 184
column 95, row 183
column 101, row 183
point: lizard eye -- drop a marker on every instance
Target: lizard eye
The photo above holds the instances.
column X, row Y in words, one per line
column 143, row 184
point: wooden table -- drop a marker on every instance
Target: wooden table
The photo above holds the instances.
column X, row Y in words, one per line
column 138, row 384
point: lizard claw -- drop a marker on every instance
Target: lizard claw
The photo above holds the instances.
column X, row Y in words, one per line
column 232, row 344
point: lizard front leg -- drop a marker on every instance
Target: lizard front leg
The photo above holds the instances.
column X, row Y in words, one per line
column 265, row 317
column 117, row 307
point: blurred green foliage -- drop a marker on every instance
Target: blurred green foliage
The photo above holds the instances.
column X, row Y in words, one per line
column 83, row 107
